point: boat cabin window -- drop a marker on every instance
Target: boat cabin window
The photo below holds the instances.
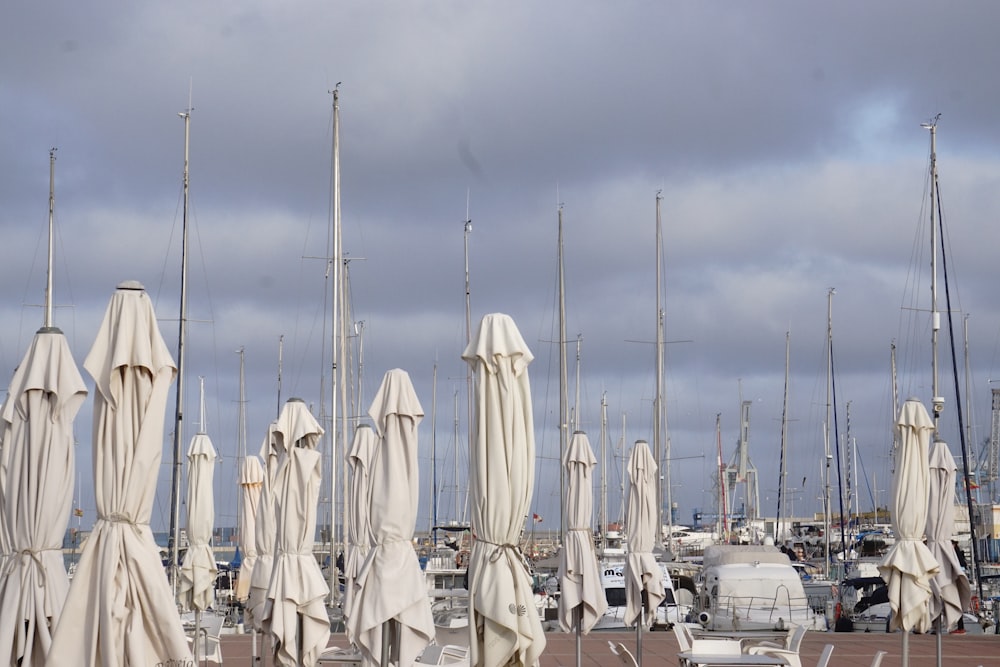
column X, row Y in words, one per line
column 616, row 597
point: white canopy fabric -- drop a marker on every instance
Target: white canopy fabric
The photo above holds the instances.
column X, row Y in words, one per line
column 579, row 575
column 504, row 625
column 358, row 527
column 295, row 614
column 642, row 572
column 120, row 610
column 36, row 493
column 196, row 581
column 390, row 585
column 950, row 590
column 266, row 529
column 909, row 565
column 251, row 481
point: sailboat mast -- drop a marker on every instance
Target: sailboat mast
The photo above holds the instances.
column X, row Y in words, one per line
column 603, row 525
column 621, row 470
column 175, row 485
column 335, row 259
column 827, row 508
column 201, row 405
column 47, row 322
column 968, row 387
column 783, row 464
column 470, row 397
column 458, row 511
column 851, row 463
column 434, row 491
column 659, row 445
column 576, row 384
column 937, row 401
column 241, row 430
column 281, row 349
column 563, row 381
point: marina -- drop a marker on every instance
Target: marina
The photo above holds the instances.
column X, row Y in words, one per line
column 362, row 534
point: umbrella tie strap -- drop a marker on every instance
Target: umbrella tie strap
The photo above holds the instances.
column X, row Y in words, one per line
column 289, row 552
column 388, row 542
column 498, row 549
column 120, row 517
column 36, row 556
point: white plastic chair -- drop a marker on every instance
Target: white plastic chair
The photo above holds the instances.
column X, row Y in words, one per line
column 824, row 657
column 715, row 647
column 340, row 657
column 877, row 659
column 623, row 654
column 792, row 641
column 789, row 652
column 448, row 654
column 683, row 635
column 209, row 645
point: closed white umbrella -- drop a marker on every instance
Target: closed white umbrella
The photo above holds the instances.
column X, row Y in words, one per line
column 644, row 589
column 196, row 577
column 358, row 527
column 265, row 530
column 909, row 565
column 504, row 625
column 36, row 494
column 642, row 573
column 582, row 601
column 251, row 481
column 295, row 613
column 389, row 585
column 951, row 594
column 120, row 610
column 196, row 586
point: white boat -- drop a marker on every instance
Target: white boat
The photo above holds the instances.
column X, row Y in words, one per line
column 675, row 608
column 749, row 587
column 683, row 539
column 612, row 548
column 445, row 574
column 865, row 607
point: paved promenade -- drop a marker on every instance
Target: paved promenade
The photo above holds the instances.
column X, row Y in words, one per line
column 659, row 649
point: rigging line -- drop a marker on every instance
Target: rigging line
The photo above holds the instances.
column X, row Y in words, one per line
column 958, row 405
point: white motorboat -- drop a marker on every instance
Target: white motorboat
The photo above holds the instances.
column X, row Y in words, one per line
column 675, row 608
column 749, row 587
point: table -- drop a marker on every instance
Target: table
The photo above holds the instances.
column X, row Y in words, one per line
column 762, row 635
column 746, row 638
column 710, row 660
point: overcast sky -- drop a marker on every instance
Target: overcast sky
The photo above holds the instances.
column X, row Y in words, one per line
column 785, row 138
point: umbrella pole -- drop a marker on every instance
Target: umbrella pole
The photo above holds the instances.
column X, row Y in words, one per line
column 197, row 633
column 638, row 634
column 906, row 646
column 299, row 642
column 937, row 639
column 384, row 658
column 578, row 613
